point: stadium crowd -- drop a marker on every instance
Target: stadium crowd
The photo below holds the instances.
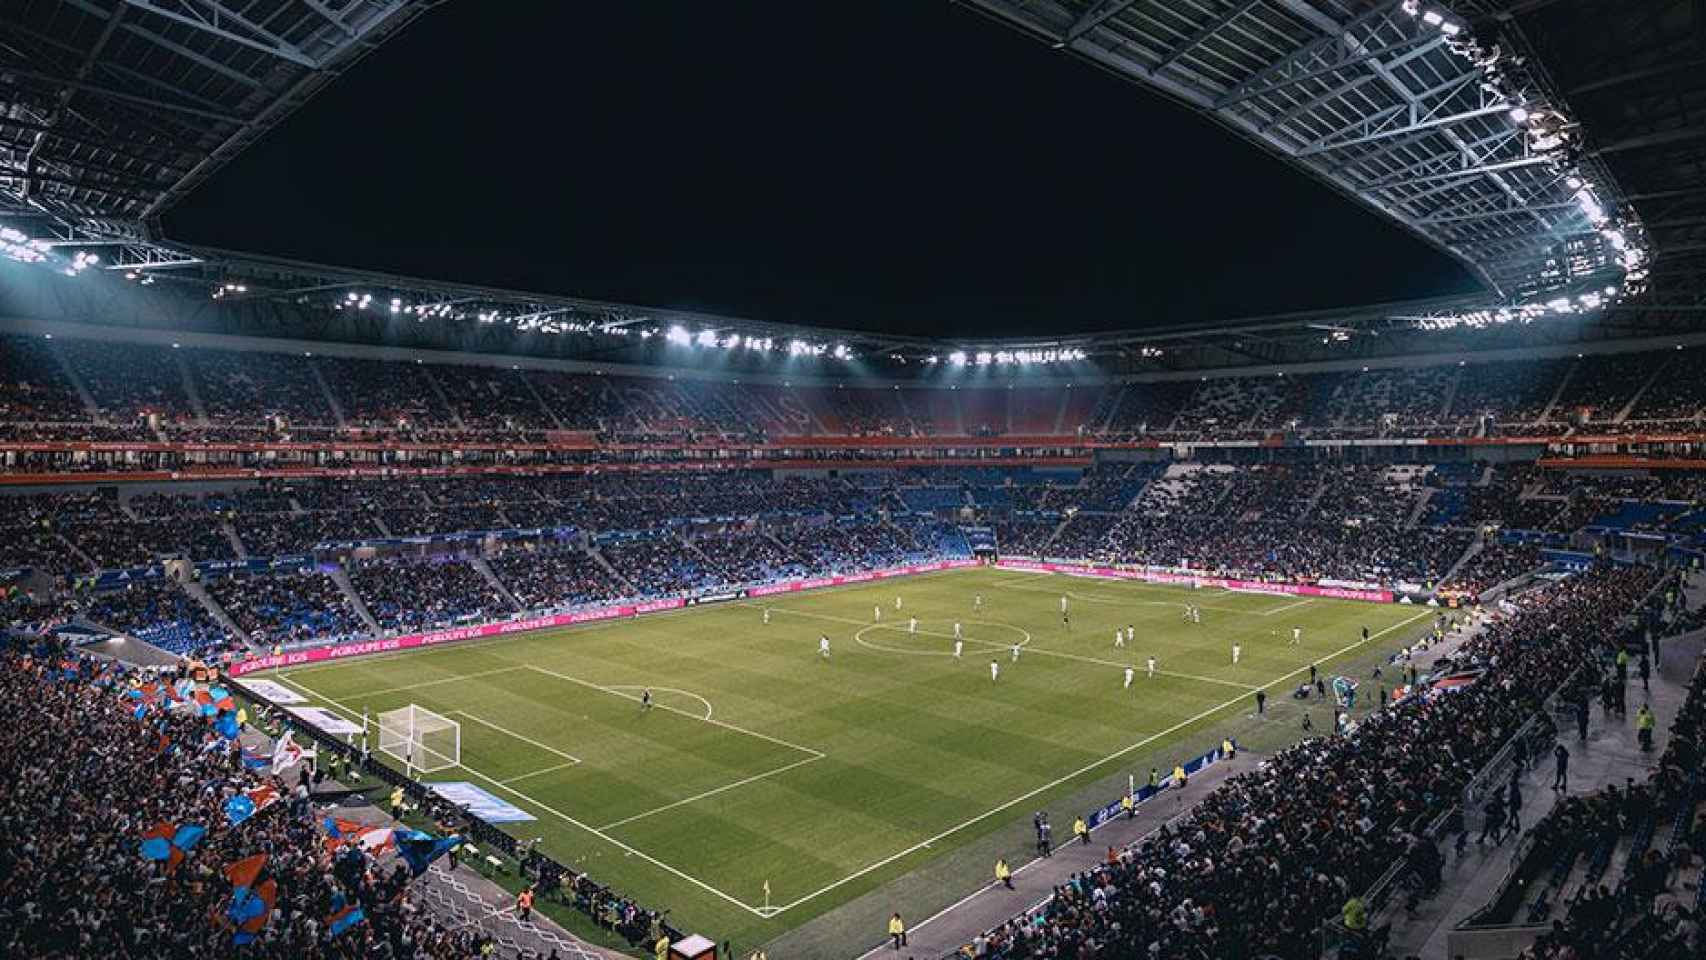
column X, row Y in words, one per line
column 137, row 390
column 86, row 780
column 1252, row 869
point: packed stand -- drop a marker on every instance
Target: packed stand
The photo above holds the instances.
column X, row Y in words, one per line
column 407, row 596
column 288, row 608
column 550, row 578
column 161, row 613
column 88, row 779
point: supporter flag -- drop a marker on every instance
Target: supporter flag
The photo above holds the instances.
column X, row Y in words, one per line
column 226, row 725
column 255, row 760
column 164, row 842
column 344, row 915
column 249, row 907
column 222, row 699
column 247, row 804
column 419, row 849
column 204, row 703
column 288, row 753
column 352, row 833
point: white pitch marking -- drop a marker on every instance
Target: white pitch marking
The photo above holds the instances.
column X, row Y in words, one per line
column 505, row 730
column 755, row 911
column 664, row 706
column 540, row 772
column 710, row 793
column 773, row 911
column 878, row 865
column 1284, row 608
column 434, row 683
column 685, row 693
column 992, row 645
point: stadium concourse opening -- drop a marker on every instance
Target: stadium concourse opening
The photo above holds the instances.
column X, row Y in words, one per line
column 1031, row 591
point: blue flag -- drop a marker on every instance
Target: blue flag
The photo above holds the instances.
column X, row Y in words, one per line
column 419, row 849
column 343, row 916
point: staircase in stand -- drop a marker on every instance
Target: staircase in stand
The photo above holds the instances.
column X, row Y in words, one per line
column 485, row 570
column 340, row 576
column 215, row 611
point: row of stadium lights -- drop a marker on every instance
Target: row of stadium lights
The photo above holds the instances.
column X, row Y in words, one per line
column 19, row 247
column 1549, row 132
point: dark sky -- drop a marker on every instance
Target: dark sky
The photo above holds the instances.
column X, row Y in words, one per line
column 899, row 165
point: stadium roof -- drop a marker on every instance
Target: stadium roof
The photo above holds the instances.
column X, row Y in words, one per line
column 111, row 110
column 1434, row 114
column 1439, row 117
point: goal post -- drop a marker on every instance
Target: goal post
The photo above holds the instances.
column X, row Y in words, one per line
column 420, row 739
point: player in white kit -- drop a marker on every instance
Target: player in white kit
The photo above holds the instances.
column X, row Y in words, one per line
column 1130, row 633
column 1119, row 637
column 1015, row 653
column 1152, row 668
column 823, row 646
column 912, row 625
column 877, row 612
column 1236, row 652
column 1129, row 672
column 994, row 671
column 957, row 633
column 766, row 616
column 959, row 647
column 1296, row 636
column 897, row 603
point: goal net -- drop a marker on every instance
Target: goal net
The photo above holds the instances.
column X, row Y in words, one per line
column 421, row 739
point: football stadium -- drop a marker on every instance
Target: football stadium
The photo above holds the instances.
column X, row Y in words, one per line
column 1163, row 479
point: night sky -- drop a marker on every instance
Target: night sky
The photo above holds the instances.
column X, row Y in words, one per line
column 898, row 165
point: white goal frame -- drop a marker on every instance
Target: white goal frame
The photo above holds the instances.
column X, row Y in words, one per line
column 420, row 739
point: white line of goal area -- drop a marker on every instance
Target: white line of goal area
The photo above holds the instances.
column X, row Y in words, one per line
column 772, row 911
column 997, row 647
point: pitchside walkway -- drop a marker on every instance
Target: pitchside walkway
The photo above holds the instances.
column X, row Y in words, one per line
column 991, row 906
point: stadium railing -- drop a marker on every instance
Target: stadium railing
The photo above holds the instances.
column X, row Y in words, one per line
column 486, row 835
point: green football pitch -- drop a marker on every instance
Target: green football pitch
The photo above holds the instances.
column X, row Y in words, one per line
column 765, row 763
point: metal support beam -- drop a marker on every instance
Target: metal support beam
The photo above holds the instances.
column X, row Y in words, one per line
column 1093, row 18
column 1475, row 171
column 263, row 40
column 1204, row 32
column 1423, row 127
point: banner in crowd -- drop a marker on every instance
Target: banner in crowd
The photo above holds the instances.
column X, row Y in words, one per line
column 1110, row 811
column 591, row 614
column 1194, row 580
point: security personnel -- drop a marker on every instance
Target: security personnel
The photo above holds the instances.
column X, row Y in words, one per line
column 1179, row 778
column 397, row 803
column 897, row 931
column 1228, row 749
column 1081, row 830
column 1154, row 779
column 1003, row 875
column 1128, row 805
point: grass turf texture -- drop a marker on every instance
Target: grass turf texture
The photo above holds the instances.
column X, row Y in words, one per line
column 764, row 762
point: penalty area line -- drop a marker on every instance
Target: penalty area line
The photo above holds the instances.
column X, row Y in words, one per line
column 759, row 912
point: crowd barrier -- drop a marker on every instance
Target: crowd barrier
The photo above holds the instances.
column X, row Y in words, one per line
column 487, row 835
column 1198, row 580
column 363, row 648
